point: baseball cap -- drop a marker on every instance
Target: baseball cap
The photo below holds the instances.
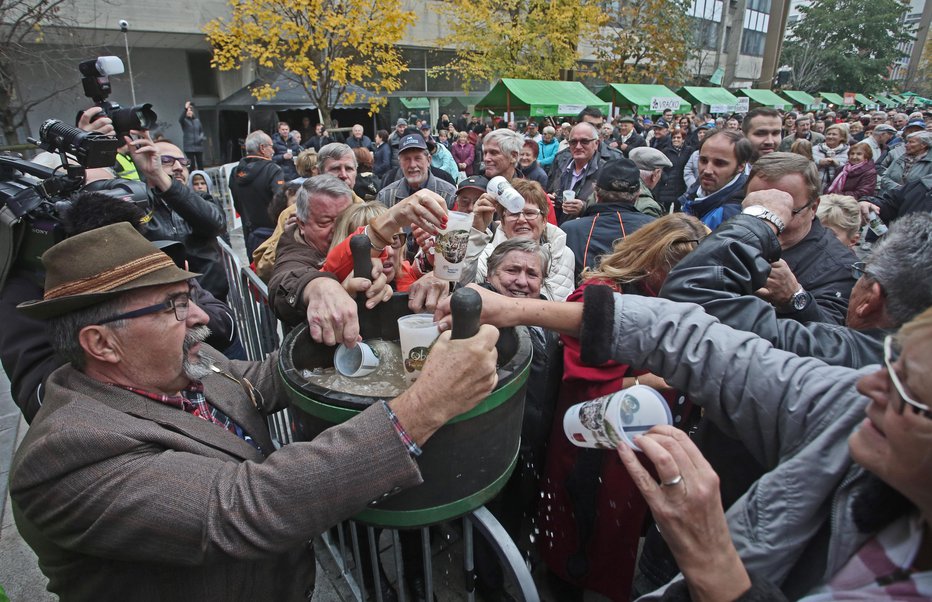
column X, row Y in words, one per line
column 916, row 123
column 619, row 175
column 412, row 141
column 480, row 182
column 661, row 123
column 649, row 159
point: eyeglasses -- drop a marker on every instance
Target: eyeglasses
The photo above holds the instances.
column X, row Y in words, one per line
column 891, row 354
column 399, row 240
column 169, row 160
column 178, row 303
column 529, row 214
column 803, row 208
column 582, row 141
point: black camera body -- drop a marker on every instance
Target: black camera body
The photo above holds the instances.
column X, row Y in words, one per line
column 96, row 82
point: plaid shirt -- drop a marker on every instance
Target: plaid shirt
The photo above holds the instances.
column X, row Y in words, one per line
column 193, row 401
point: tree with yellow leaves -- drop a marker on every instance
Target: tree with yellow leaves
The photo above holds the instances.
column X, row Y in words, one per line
column 645, row 41
column 324, row 46
column 524, row 39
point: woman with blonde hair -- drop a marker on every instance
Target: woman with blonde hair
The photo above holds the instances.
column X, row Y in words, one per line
column 306, row 163
column 841, row 214
column 584, row 543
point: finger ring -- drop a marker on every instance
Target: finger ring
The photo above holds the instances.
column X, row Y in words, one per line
column 674, row 481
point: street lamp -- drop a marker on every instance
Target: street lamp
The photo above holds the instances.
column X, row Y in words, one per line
column 124, row 27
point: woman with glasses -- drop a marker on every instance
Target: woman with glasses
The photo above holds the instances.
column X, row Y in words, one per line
column 592, row 515
column 531, row 223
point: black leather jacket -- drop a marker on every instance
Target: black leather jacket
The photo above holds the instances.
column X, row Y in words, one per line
column 181, row 214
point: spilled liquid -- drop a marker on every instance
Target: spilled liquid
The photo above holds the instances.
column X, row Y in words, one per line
column 386, row 381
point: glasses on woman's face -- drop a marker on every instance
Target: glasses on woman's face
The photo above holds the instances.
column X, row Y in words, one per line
column 169, row 160
column 179, row 304
column 529, row 214
column 891, row 355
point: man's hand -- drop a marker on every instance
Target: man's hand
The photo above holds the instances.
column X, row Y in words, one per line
column 572, row 207
column 426, row 293
column 781, row 285
column 456, row 377
column 148, row 161
column 483, row 212
column 778, row 202
column 101, row 125
column 331, row 313
column 425, row 209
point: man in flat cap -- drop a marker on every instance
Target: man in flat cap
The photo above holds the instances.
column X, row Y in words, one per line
column 149, row 473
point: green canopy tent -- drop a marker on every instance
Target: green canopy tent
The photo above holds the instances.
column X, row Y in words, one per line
column 885, row 101
column 719, row 100
column 639, row 98
column 766, row 98
column 539, row 98
column 835, row 99
column 864, row 101
column 897, row 98
column 415, row 102
column 803, row 99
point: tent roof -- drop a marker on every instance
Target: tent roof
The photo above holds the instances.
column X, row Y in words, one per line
column 289, row 96
column 888, row 102
column 540, row 98
column 638, row 96
column 765, row 97
column 802, row 98
column 863, row 100
column 711, row 96
column 835, row 99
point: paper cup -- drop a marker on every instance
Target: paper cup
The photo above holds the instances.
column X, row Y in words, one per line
column 358, row 361
column 451, row 245
column 416, row 334
column 606, row 421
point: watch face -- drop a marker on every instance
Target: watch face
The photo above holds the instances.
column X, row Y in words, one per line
column 800, row 301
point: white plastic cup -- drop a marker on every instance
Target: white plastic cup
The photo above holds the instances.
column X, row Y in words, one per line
column 606, row 421
column 416, row 334
column 505, row 194
column 358, row 361
column 451, row 246
column 569, row 195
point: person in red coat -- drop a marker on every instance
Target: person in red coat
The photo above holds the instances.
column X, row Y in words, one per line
column 464, row 153
column 858, row 178
column 591, row 513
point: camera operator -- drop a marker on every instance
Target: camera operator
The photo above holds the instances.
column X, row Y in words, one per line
column 95, row 119
column 178, row 213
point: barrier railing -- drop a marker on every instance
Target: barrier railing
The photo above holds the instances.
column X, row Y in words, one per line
column 260, row 333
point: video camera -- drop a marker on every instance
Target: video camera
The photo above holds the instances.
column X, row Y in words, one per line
column 33, row 197
column 96, row 82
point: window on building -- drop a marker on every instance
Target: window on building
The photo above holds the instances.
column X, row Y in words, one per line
column 705, row 33
column 203, row 77
column 752, row 42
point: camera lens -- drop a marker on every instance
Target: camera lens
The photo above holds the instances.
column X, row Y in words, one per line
column 139, row 117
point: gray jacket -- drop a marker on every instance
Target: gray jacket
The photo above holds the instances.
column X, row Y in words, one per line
column 893, row 176
column 398, row 191
column 722, row 274
column 793, row 414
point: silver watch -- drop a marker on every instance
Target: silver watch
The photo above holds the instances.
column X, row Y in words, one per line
column 761, row 212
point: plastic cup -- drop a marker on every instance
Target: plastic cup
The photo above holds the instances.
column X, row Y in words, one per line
column 505, row 194
column 606, row 421
column 569, row 195
column 416, row 334
column 358, row 361
column 451, row 245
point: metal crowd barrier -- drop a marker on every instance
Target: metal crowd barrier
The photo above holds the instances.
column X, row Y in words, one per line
column 260, row 333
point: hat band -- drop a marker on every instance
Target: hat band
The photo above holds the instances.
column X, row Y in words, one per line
column 112, row 278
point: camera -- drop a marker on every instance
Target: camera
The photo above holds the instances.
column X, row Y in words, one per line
column 96, row 82
column 124, row 25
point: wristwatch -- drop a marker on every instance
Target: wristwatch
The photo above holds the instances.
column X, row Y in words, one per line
column 799, row 300
column 761, row 212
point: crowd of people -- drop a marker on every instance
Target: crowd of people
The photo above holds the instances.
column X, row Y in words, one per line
column 770, row 274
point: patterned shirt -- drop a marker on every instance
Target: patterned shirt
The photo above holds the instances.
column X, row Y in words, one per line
column 193, row 401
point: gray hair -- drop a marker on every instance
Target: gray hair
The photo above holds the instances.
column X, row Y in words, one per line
column 924, row 137
column 617, row 196
column 522, row 245
column 549, row 130
column 900, row 264
column 335, row 151
column 324, row 184
column 256, row 139
column 508, row 141
column 65, row 330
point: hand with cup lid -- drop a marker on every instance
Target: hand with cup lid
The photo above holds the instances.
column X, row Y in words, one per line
column 483, row 211
column 425, row 209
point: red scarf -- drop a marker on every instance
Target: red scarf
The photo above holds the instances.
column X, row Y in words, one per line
column 838, row 184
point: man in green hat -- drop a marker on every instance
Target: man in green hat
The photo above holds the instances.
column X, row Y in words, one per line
column 149, row 473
